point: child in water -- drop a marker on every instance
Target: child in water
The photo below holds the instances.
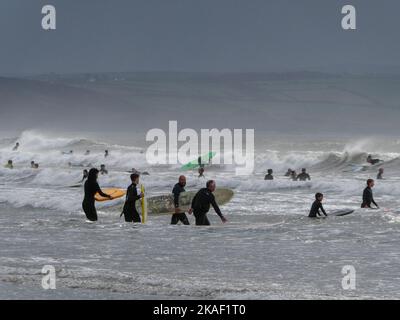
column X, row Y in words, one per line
column 317, row 204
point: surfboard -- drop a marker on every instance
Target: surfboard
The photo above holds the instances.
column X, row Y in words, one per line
column 341, row 212
column 204, row 159
column 143, row 205
column 78, row 185
column 114, row 192
column 165, row 203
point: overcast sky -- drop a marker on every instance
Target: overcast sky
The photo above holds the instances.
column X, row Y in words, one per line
column 198, row 35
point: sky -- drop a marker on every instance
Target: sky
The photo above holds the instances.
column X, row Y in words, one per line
column 198, row 35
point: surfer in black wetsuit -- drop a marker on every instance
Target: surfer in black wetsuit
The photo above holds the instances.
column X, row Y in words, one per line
column 16, row 147
column 303, row 176
column 33, row 164
column 91, row 188
column 372, row 161
column 368, row 196
column 201, row 205
column 106, row 154
column 179, row 215
column 201, row 172
column 380, row 174
column 316, row 206
column 129, row 210
column 293, row 175
column 269, row 176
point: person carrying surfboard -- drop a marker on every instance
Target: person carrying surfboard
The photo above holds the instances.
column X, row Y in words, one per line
column 201, row 205
column 316, row 206
column 129, row 210
column 91, row 188
column 179, row 215
column 368, row 196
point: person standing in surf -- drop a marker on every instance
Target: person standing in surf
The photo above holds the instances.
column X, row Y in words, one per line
column 316, row 206
column 368, row 196
column 129, row 210
column 91, row 188
column 179, row 215
column 9, row 165
column 16, row 147
column 201, row 205
column 269, row 175
column 201, row 172
column 303, row 176
column 380, row 174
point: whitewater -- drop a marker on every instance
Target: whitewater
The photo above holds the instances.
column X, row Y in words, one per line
column 269, row 249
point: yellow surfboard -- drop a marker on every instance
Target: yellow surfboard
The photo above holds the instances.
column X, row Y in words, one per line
column 143, row 205
column 115, row 193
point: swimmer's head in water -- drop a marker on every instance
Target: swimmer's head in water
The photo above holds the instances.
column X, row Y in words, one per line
column 370, row 183
column 9, row 162
column 182, row 181
column 381, row 170
column 269, row 171
column 93, row 174
column 303, row 170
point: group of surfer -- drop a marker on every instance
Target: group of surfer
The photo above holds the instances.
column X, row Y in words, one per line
column 200, row 205
column 10, row 165
column 203, row 199
column 303, row 176
column 35, row 165
column 87, row 152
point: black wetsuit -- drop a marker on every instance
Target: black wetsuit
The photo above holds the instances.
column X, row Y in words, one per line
column 176, row 217
column 129, row 210
column 91, row 188
column 368, row 198
column 373, row 161
column 201, row 205
column 269, row 177
column 303, row 176
column 380, row 176
column 314, row 212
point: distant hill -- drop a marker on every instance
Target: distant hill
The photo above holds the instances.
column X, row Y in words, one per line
column 290, row 102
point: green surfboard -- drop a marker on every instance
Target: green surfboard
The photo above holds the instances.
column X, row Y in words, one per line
column 204, row 159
